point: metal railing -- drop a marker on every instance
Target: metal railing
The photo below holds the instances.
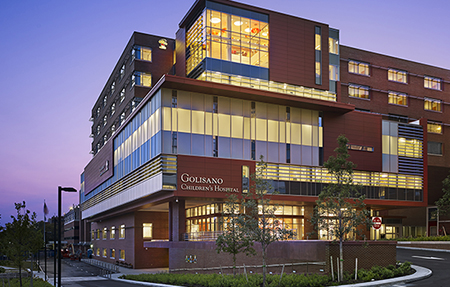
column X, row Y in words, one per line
column 107, row 268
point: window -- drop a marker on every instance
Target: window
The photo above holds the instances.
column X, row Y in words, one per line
column 98, row 234
column 113, row 108
column 397, row 76
column 398, row 98
column 215, row 105
column 105, row 233
column 253, row 152
column 358, row 91
column 113, row 129
column 105, row 99
column 174, row 143
column 98, row 130
column 112, row 253
column 318, row 54
column 358, row 68
column 288, row 153
column 174, row 99
column 141, row 53
column 121, row 254
column 147, row 230
column 122, row 232
column 105, row 120
column 141, row 79
column 98, row 112
column 113, row 87
column 122, row 95
column 245, row 178
column 432, row 83
column 432, row 105
column 98, row 252
column 215, row 146
column 333, row 46
column 105, row 138
column 92, row 234
column 334, row 72
column 104, row 252
column 434, row 148
column 435, row 128
column 122, row 118
column 122, row 72
column 112, row 234
column 227, row 37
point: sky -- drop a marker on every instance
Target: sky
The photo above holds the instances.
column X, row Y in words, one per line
column 57, row 56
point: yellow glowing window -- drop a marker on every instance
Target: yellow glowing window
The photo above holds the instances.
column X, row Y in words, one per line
column 397, row 76
column 105, row 233
column 112, row 253
column 358, row 91
column 122, row 232
column 358, row 68
column 433, row 105
column 333, row 46
column 432, row 83
column 147, row 230
column 122, row 254
column 398, row 99
column 409, row 147
column 434, row 128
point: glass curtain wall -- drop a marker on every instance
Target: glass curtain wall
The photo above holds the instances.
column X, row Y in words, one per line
column 227, row 37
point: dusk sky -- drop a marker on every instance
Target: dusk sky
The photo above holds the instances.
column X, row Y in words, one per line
column 57, row 55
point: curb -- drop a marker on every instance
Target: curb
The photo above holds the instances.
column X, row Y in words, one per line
column 421, row 273
column 423, row 249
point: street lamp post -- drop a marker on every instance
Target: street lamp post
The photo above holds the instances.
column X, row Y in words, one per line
column 60, row 189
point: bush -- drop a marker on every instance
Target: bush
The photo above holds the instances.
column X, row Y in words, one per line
column 37, row 282
column 255, row 280
column 425, row 238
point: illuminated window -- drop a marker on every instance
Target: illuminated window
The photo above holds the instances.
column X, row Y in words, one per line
column 113, row 108
column 98, row 112
column 434, row 148
column 98, row 130
column 434, row 128
column 97, row 252
column 398, row 98
column 112, row 253
column 98, row 234
column 92, row 234
column 104, row 252
column 141, row 79
column 245, row 178
column 409, row 147
column 432, row 105
column 432, row 83
column 122, row 118
column 113, row 87
column 147, row 230
column 318, row 54
column 121, row 254
column 122, row 232
column 333, row 46
column 141, row 53
column 105, row 233
column 358, row 91
column 334, row 72
column 112, row 234
column 105, row 100
column 359, row 68
column 105, row 120
column 113, row 129
column 227, row 37
column 397, row 76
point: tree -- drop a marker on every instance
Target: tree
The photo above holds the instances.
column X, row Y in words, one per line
column 261, row 223
column 234, row 239
column 443, row 203
column 340, row 209
column 21, row 237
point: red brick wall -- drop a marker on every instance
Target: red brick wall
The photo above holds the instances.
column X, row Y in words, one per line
column 360, row 129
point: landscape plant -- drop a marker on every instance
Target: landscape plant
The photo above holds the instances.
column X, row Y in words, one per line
column 340, row 209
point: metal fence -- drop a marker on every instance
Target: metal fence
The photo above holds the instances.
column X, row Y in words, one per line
column 105, row 266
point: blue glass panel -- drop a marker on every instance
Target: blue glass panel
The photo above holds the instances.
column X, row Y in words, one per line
column 198, row 144
column 272, row 152
column 224, row 147
column 184, row 143
column 167, row 142
column 261, row 150
column 237, row 148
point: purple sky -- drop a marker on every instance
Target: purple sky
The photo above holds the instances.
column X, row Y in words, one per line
column 57, row 55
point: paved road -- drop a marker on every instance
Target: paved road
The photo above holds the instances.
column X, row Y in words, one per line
column 438, row 262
